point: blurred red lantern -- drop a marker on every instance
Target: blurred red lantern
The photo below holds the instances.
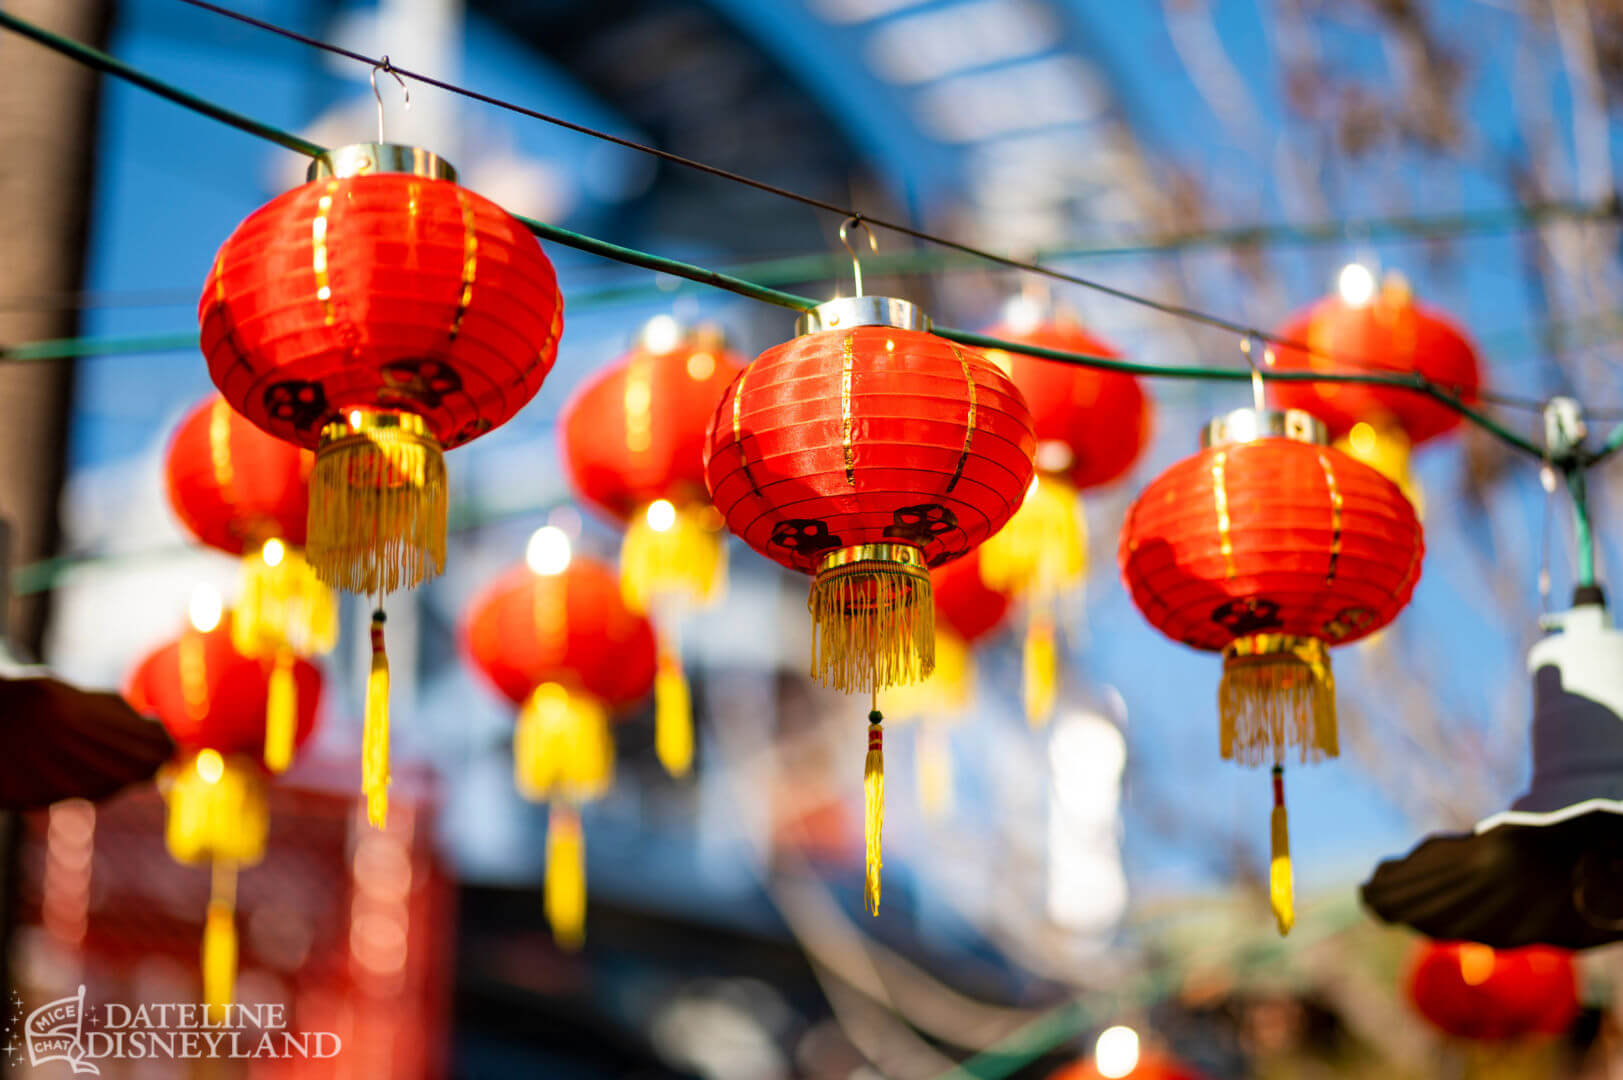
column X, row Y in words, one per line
column 864, row 452
column 244, row 492
column 565, row 649
column 1388, row 332
column 378, row 315
column 212, row 700
column 1091, row 427
column 633, row 442
column 1471, row 991
column 1270, row 546
column 967, row 610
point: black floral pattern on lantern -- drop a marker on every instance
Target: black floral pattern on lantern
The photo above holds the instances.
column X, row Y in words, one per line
column 804, row 536
column 921, row 524
column 1347, row 621
column 1247, row 616
column 469, row 431
column 297, row 402
column 425, row 382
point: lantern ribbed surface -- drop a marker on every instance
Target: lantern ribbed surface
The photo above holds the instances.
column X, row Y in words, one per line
column 1471, row 991
column 383, row 291
column 1390, row 334
column 209, row 696
column 570, row 628
column 869, row 436
column 1270, row 537
column 636, row 432
column 232, row 485
column 1101, row 418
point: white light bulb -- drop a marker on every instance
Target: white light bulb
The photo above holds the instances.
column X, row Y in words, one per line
column 661, row 515
column 1116, row 1053
column 1022, row 315
column 273, row 552
column 206, row 608
column 548, row 550
column 1356, row 284
column 662, row 334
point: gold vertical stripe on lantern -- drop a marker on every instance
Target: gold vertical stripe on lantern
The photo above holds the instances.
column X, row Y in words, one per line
column 470, row 263
column 318, row 252
column 847, row 421
column 220, row 444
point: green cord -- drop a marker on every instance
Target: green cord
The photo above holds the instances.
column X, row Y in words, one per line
column 1576, row 484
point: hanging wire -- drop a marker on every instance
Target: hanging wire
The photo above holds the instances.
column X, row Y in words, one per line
column 384, row 66
column 742, row 287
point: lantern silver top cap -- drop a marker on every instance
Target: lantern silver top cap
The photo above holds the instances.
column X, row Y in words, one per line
column 850, row 311
column 1249, row 425
column 363, row 159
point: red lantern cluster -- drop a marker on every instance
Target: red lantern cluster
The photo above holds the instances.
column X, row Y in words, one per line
column 233, row 486
column 1471, row 991
column 965, row 605
column 1270, row 547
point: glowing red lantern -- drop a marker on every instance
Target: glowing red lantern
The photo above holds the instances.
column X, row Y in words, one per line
column 633, row 442
column 237, row 489
column 1091, row 427
column 1471, row 991
column 864, row 452
column 378, row 315
column 565, row 649
column 212, row 700
column 1388, row 332
column 1269, row 546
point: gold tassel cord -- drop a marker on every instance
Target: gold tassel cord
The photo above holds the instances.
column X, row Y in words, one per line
column 682, row 563
column 281, row 713
column 283, row 604
column 873, row 618
column 564, row 894
column 1281, row 882
column 873, row 799
column 1040, row 660
column 219, row 958
column 673, row 715
column 375, row 730
column 562, row 748
column 1277, row 691
column 216, row 809
column 377, row 503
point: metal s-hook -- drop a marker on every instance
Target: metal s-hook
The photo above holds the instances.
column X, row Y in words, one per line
column 1251, row 345
column 873, row 245
column 384, row 66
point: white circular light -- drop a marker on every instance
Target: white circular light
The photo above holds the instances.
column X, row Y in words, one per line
column 273, row 552
column 662, row 334
column 1356, row 284
column 661, row 515
column 548, row 550
column 1116, row 1053
column 206, row 608
column 1022, row 315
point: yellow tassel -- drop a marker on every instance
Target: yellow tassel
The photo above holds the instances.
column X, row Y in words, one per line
column 673, row 716
column 672, row 555
column 948, row 689
column 377, row 503
column 375, row 731
column 873, row 800
column 282, row 604
column 562, row 747
column 565, row 890
column 1041, row 663
column 216, row 809
column 220, row 943
column 1277, row 691
column 1385, row 448
column 933, row 752
column 1281, row 884
column 873, row 619
column 1044, row 546
column 281, row 713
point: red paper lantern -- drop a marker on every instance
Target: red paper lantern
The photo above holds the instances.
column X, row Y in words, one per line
column 864, row 452
column 1389, row 333
column 1471, row 991
column 244, row 492
column 565, row 649
column 1269, row 547
column 1091, row 426
column 964, row 604
column 378, row 315
column 212, row 700
column 633, row 443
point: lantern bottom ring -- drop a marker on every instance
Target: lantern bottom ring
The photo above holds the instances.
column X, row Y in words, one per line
column 1277, row 691
column 873, row 618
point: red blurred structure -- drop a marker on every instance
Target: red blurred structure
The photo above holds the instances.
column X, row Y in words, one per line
column 1472, row 991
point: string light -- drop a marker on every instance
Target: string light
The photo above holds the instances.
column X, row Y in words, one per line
column 661, row 515
column 661, row 334
column 1356, row 284
column 206, row 609
column 1115, row 1055
column 548, row 551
